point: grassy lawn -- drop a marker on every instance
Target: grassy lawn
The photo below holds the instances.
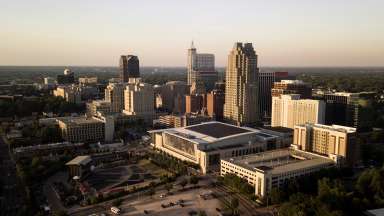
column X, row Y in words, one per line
column 152, row 168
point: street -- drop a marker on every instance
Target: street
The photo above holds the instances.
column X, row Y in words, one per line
column 12, row 196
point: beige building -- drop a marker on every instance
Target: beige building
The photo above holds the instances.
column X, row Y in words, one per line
column 273, row 169
column 87, row 80
column 206, row 143
column 182, row 120
column 241, row 85
column 83, row 129
column 71, row 94
column 290, row 110
column 114, row 93
column 139, row 99
column 334, row 141
column 173, row 96
column 98, row 107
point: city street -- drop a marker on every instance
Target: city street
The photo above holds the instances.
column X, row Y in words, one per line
column 12, row 196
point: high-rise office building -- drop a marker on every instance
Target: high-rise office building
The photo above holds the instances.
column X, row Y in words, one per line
column 266, row 80
column 215, row 104
column 291, row 87
column 139, row 99
column 67, row 78
column 194, row 103
column 334, row 141
column 129, row 67
column 241, row 86
column 290, row 110
column 349, row 109
column 201, row 68
column 114, row 93
column 173, row 96
column 71, row 93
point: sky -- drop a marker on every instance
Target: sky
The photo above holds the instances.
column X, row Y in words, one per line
column 284, row 32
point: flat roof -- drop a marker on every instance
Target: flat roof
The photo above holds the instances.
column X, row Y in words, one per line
column 78, row 120
column 217, row 129
column 209, row 132
column 279, row 161
column 80, row 160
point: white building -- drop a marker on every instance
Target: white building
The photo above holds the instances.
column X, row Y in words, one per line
column 201, row 68
column 139, row 99
column 206, row 143
column 273, row 169
column 290, row 110
column 114, row 93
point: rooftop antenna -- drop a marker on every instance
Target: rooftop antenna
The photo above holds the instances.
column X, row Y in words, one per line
column 192, row 45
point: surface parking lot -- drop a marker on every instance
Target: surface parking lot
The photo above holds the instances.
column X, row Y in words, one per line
column 192, row 201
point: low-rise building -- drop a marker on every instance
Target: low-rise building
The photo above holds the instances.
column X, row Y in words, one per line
column 206, row 143
column 290, row 110
column 83, row 129
column 98, row 106
column 274, row 169
column 71, row 94
column 80, row 166
column 334, row 141
column 87, row 80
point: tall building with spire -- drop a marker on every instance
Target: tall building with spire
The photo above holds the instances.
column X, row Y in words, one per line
column 201, row 68
column 241, row 86
column 129, row 67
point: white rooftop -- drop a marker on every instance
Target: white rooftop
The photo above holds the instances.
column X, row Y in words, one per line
column 212, row 131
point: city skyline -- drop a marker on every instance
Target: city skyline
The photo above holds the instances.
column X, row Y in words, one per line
column 284, row 33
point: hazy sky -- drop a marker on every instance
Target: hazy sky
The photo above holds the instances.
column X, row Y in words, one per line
column 284, row 32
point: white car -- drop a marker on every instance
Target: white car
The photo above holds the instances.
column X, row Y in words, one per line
column 115, row 210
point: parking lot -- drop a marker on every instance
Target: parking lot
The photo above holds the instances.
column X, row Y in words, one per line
column 191, row 200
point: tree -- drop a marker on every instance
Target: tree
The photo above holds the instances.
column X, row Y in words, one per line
column 169, row 187
column 117, row 202
column 234, row 206
column 151, row 191
column 202, row 213
column 194, row 180
column 183, row 183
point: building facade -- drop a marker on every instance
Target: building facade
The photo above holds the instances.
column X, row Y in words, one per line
column 206, row 143
column 67, row 78
column 87, row 130
column 139, row 99
column 292, row 87
column 87, row 80
column 329, row 140
column 129, row 67
column 201, row 68
column 71, row 94
column 173, row 96
column 274, row 169
column 349, row 109
column 98, row 106
column 241, row 86
column 215, row 104
column 266, row 80
column 114, row 93
column 290, row 110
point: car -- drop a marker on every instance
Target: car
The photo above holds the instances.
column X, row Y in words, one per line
column 163, row 195
column 115, row 210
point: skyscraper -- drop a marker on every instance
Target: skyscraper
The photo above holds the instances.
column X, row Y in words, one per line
column 266, row 80
column 290, row 110
column 129, row 67
column 241, row 87
column 139, row 99
column 201, row 68
column 331, row 140
column 114, row 93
